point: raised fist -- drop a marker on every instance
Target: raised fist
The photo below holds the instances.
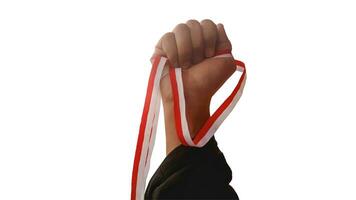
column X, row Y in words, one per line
column 192, row 47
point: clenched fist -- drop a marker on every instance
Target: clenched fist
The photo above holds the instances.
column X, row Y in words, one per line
column 192, row 47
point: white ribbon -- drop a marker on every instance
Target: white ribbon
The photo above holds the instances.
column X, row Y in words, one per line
column 148, row 126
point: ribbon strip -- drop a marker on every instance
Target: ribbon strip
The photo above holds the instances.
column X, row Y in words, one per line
column 149, row 119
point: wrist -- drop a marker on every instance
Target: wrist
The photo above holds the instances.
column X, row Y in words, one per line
column 196, row 115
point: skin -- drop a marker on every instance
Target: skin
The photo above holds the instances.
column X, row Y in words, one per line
column 191, row 46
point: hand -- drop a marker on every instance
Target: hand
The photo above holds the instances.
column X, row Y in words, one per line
column 191, row 46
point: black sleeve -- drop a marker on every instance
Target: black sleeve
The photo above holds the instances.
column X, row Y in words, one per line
column 192, row 173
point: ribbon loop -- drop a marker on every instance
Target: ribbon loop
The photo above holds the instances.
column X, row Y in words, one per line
column 148, row 126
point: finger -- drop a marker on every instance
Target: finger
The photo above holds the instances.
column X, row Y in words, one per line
column 223, row 42
column 184, row 45
column 196, row 35
column 210, row 35
column 167, row 47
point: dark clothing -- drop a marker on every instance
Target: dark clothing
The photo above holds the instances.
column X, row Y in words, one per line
column 192, row 173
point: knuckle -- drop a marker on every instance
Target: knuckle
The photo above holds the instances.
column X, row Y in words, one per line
column 208, row 22
column 168, row 36
column 193, row 22
column 181, row 28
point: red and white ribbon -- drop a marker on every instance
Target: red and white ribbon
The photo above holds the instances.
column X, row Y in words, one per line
column 148, row 126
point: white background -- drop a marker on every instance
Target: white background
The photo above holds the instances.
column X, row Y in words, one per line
column 73, row 76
